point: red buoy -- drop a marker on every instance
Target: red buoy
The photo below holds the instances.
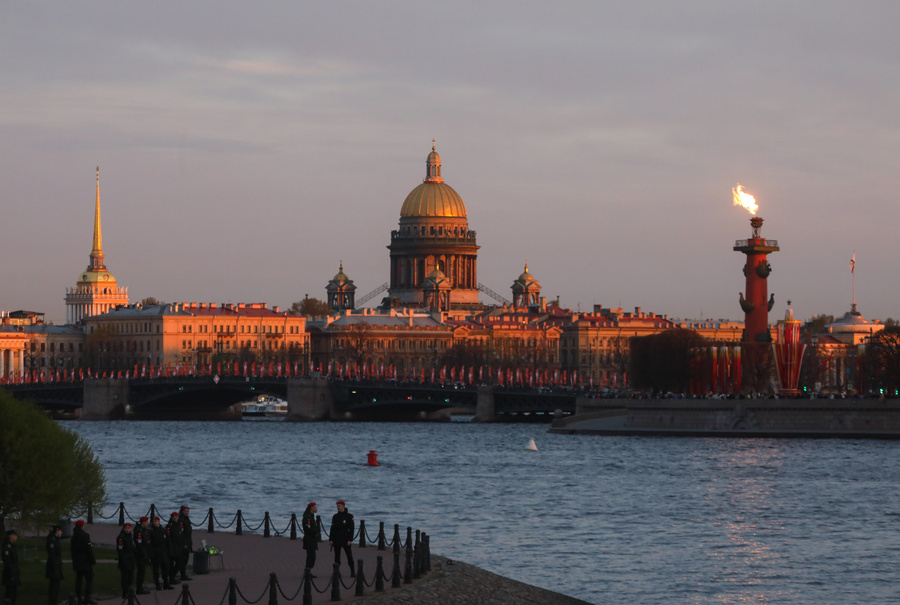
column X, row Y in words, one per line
column 373, row 458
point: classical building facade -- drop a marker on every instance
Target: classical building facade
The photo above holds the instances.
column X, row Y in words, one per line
column 433, row 234
column 96, row 290
column 195, row 333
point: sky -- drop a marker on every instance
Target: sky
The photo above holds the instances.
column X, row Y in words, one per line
column 246, row 149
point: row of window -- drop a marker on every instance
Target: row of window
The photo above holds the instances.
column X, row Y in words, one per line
column 227, row 329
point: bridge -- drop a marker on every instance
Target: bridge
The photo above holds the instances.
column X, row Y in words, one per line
column 309, row 399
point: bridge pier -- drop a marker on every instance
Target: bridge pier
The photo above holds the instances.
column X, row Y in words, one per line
column 485, row 410
column 309, row 400
column 104, row 399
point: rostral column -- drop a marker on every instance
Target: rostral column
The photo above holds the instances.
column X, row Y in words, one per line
column 756, row 302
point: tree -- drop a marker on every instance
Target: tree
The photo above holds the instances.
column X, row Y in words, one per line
column 46, row 471
column 882, row 361
column 817, row 324
column 310, row 307
column 358, row 342
column 151, row 301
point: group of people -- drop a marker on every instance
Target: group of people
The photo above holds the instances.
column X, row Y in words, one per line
column 166, row 548
column 340, row 536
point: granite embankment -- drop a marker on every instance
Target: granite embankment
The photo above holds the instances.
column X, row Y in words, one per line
column 251, row 558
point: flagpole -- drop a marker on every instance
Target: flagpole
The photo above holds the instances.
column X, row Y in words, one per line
column 853, row 274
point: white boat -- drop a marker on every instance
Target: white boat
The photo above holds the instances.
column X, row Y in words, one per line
column 265, row 405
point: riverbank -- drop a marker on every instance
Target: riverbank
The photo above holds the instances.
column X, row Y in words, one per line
column 251, row 558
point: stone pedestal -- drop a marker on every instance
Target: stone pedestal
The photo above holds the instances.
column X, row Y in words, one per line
column 309, row 400
column 104, row 399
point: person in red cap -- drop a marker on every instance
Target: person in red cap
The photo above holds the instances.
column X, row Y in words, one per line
column 141, row 535
column 125, row 553
column 83, row 562
column 187, row 540
column 340, row 536
column 311, row 535
column 159, row 555
column 176, row 545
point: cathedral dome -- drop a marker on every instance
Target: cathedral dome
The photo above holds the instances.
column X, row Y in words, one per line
column 433, row 197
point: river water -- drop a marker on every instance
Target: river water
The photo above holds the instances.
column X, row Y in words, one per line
column 604, row 519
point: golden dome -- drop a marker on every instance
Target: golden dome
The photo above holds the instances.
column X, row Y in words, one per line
column 433, row 199
column 340, row 275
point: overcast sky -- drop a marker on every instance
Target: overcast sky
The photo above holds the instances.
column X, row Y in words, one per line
column 245, row 149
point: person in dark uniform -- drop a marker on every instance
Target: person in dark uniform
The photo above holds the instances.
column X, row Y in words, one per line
column 187, row 541
column 311, row 535
column 54, row 569
column 340, row 536
column 141, row 535
column 173, row 529
column 159, row 555
column 83, row 562
column 10, row 557
column 125, row 553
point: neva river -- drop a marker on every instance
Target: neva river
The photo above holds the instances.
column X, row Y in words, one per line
column 604, row 519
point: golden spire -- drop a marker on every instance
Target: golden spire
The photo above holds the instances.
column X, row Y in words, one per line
column 97, row 263
column 433, row 166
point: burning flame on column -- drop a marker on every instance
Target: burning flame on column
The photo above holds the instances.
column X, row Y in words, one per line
column 742, row 198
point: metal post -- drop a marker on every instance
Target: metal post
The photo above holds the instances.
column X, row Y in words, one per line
column 336, row 582
column 379, row 575
column 360, row 581
column 239, row 531
column 307, row 587
column 381, row 535
column 90, row 515
column 362, row 533
column 273, row 589
column 121, row 513
column 417, row 557
column 319, row 526
column 210, row 527
column 266, row 521
column 129, row 596
column 408, row 538
column 152, row 513
column 232, row 591
column 407, row 567
column 395, row 573
column 396, row 537
column 185, row 593
column 293, row 526
column 427, row 540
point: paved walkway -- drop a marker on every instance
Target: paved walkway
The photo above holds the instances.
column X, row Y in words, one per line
column 250, row 559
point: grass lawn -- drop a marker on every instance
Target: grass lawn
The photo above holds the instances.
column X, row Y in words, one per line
column 32, row 561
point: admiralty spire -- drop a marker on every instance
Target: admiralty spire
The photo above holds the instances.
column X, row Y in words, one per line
column 96, row 290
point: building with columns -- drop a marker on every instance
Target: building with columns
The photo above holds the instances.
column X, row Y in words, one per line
column 433, row 234
column 341, row 291
column 96, row 290
column 13, row 342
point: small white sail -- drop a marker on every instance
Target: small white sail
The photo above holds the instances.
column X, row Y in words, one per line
column 532, row 446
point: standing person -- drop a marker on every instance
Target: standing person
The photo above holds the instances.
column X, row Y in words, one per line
column 83, row 562
column 125, row 551
column 159, row 555
column 10, row 557
column 54, row 568
column 141, row 537
column 173, row 531
column 341, row 535
column 187, row 540
column 311, row 535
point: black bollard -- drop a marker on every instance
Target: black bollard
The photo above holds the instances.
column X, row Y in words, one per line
column 185, row 593
column 121, row 513
column 362, row 533
column 336, row 582
column 396, row 538
column 129, row 596
column 232, row 591
column 426, row 539
column 210, row 528
column 90, row 515
column 239, row 531
column 307, row 587
column 293, row 526
column 381, row 535
column 395, row 573
column 152, row 512
column 266, row 522
column 319, row 526
column 408, row 538
column 273, row 589
column 379, row 575
column 417, row 558
column 360, row 582
column 407, row 565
